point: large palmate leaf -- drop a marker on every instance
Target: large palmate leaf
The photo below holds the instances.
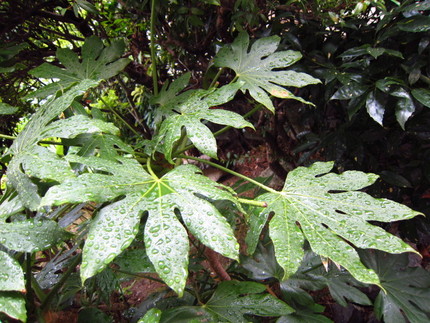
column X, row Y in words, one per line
column 189, row 115
column 406, row 289
column 166, row 238
column 98, row 63
column 326, row 210
column 256, row 68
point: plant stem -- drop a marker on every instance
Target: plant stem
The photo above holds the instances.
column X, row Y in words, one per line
column 148, row 164
column 216, row 77
column 153, row 56
column 7, row 137
column 252, row 202
column 28, row 285
column 120, row 117
column 224, row 169
column 60, row 283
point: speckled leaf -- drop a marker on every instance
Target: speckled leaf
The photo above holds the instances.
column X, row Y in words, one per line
column 326, row 210
column 422, row 95
column 75, row 125
column 189, row 115
column 7, row 109
column 13, row 305
column 233, row 299
column 166, row 239
column 256, row 68
column 42, row 163
column 11, row 274
column 98, row 63
column 31, row 235
column 29, row 137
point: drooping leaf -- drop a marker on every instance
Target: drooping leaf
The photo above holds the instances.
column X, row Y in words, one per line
column 326, row 210
column 166, row 239
column 405, row 107
column 233, row 299
column 28, row 139
column 407, row 289
column 422, row 96
column 7, row 109
column 13, row 305
column 11, row 274
column 189, row 115
column 98, row 63
column 31, row 235
column 256, row 68
column 75, row 125
column 415, row 24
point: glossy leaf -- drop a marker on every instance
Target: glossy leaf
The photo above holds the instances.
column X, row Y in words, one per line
column 7, row 109
column 152, row 316
column 256, row 68
column 375, row 108
column 11, row 274
column 349, row 91
column 325, row 209
column 189, row 115
column 233, row 299
column 31, row 235
column 406, row 289
column 98, row 63
column 13, row 305
column 166, row 239
column 415, row 24
column 422, row 96
column 405, row 107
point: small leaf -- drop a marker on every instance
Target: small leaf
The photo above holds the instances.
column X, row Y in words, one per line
column 11, row 274
column 374, row 107
column 349, row 91
column 326, row 210
column 13, row 305
column 189, row 115
column 422, row 96
column 87, row 6
column 256, row 68
column 233, row 299
column 405, row 107
column 7, row 109
column 31, row 235
column 152, row 316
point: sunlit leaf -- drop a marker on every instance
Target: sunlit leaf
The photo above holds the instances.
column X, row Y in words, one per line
column 326, row 210
column 256, row 68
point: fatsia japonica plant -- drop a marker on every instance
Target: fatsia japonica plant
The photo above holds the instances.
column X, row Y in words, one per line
column 152, row 193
